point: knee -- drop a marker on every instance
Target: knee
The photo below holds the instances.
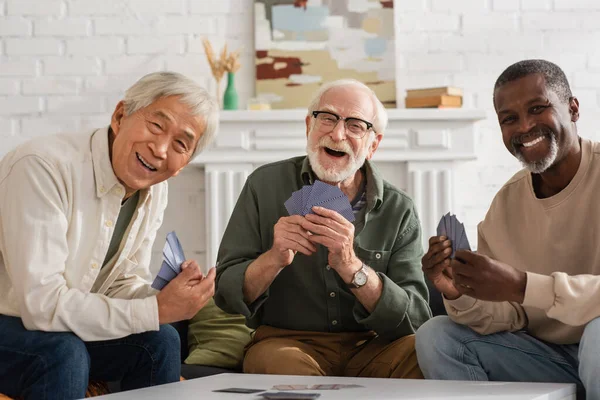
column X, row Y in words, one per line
column 165, row 343
column 589, row 348
column 270, row 357
column 434, row 337
column 68, row 354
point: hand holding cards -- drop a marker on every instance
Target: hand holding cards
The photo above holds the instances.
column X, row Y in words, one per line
column 454, row 230
column 319, row 194
column 173, row 257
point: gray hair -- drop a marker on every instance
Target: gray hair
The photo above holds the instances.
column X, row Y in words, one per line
column 555, row 78
column 381, row 117
column 153, row 86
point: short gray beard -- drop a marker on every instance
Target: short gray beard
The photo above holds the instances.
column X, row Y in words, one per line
column 538, row 167
column 356, row 162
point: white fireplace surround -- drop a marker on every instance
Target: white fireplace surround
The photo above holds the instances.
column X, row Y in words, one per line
column 418, row 153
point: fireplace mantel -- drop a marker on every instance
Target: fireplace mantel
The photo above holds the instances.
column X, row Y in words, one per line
column 421, row 146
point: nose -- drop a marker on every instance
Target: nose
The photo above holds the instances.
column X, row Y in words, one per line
column 159, row 146
column 339, row 131
column 526, row 123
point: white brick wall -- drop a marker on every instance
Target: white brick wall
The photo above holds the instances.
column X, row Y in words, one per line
column 65, row 63
column 491, row 35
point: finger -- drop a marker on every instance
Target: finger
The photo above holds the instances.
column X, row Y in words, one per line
column 296, row 228
column 317, row 229
column 438, row 248
column 301, row 240
column 462, row 268
column 439, row 257
column 206, row 288
column 434, row 269
column 191, row 270
column 467, row 256
column 292, row 219
column 298, row 247
column 328, row 222
column 324, row 240
column 212, row 273
column 463, row 284
column 325, row 212
column 436, row 239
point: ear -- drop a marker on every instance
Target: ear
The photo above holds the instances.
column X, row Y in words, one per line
column 307, row 120
column 374, row 145
column 574, row 109
column 117, row 117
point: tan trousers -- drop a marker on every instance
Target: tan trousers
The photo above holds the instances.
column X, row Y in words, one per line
column 288, row 352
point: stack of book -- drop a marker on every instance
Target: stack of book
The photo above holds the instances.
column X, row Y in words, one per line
column 437, row 97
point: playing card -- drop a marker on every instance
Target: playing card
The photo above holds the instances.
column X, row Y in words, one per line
column 325, row 387
column 289, row 395
column 441, row 228
column 452, row 228
column 239, row 390
column 321, row 193
column 159, row 283
column 294, row 204
column 169, row 257
column 463, row 243
column 290, row 387
column 341, row 205
column 306, row 191
column 177, row 250
column 166, row 272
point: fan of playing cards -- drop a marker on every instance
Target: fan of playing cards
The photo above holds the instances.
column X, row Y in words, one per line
column 172, row 259
column 319, row 194
column 454, row 230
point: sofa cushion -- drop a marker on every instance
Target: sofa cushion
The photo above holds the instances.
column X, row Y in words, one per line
column 216, row 338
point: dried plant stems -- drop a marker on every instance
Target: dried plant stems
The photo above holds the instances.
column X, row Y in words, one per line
column 227, row 62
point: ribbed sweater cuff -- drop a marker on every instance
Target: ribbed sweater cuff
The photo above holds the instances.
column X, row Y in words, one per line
column 539, row 292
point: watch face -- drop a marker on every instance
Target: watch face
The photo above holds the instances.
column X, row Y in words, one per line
column 360, row 278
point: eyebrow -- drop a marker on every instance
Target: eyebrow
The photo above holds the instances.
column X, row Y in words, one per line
column 534, row 100
column 332, row 110
column 163, row 115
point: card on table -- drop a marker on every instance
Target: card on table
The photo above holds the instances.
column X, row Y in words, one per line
column 290, row 387
column 319, row 194
column 239, row 390
column 289, row 395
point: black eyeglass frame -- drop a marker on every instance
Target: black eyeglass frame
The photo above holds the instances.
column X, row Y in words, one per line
column 369, row 124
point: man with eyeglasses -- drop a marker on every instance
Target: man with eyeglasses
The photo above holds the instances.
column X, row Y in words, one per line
column 328, row 297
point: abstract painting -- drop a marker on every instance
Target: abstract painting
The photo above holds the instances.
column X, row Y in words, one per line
column 301, row 44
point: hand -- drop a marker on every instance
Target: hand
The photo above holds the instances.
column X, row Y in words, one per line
column 436, row 266
column 335, row 232
column 483, row 278
column 186, row 294
column 289, row 237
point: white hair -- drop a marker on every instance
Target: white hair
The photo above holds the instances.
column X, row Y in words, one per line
column 153, row 86
column 381, row 117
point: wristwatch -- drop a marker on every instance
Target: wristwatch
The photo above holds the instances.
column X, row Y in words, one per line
column 360, row 277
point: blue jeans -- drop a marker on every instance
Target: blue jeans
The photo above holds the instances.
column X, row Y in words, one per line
column 58, row 365
column 447, row 350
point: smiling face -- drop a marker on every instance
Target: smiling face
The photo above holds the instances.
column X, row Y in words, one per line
column 334, row 155
column 153, row 143
column 538, row 127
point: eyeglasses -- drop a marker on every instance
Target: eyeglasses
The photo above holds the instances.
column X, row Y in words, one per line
column 355, row 127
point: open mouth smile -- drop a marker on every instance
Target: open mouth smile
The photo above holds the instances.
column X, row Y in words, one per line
column 145, row 163
column 334, row 153
column 533, row 142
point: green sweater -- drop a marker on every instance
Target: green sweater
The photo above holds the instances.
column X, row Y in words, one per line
column 308, row 295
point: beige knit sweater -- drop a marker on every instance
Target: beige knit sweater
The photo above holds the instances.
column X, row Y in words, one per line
column 557, row 241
